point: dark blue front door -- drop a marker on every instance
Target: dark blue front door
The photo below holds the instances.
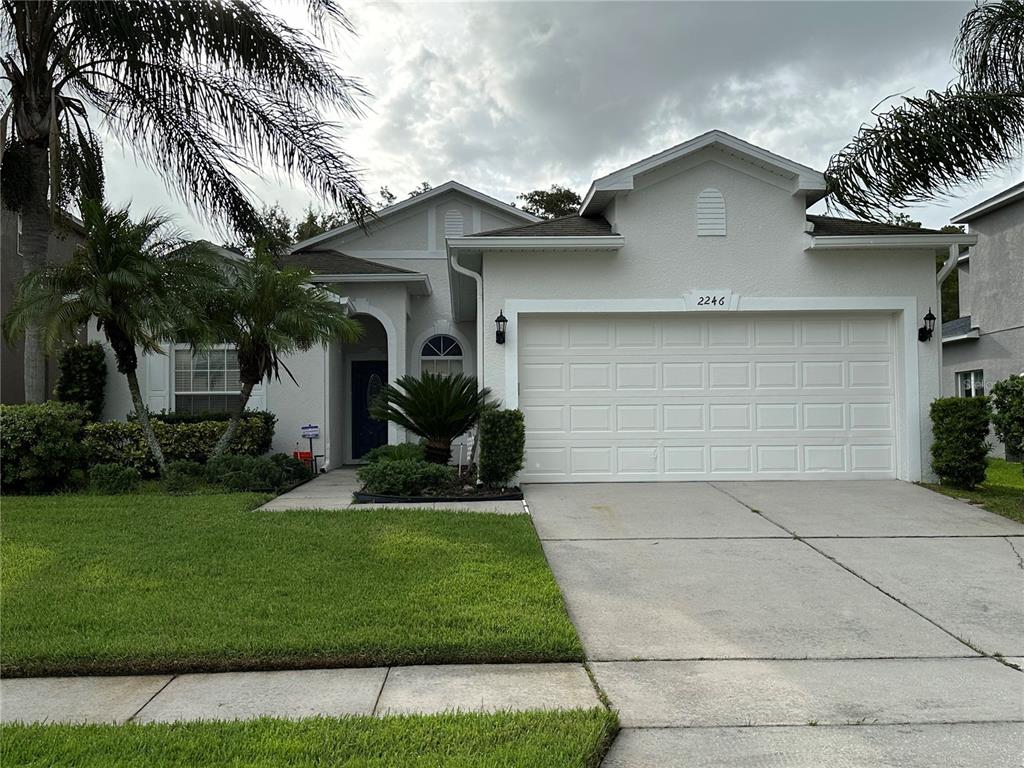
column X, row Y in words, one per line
column 369, row 377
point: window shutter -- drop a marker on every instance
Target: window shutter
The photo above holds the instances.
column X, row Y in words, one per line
column 158, row 381
column 710, row 213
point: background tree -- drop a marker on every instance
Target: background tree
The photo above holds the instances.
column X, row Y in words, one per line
column 138, row 280
column 950, row 292
column 200, row 90
column 315, row 222
column 387, row 197
column 425, row 186
column 925, row 147
column 551, row 203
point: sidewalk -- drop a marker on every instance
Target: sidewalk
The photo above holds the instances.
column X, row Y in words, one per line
column 296, row 694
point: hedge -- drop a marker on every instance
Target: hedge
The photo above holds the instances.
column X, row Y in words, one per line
column 407, row 477
column 1008, row 415
column 121, row 442
column 83, row 377
column 959, row 446
column 41, row 447
column 502, row 442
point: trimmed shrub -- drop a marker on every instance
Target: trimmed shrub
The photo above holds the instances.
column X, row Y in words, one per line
column 407, row 477
column 294, row 470
column 396, row 452
column 1008, row 415
column 182, row 476
column 959, row 447
column 502, row 437
column 41, row 446
column 113, row 479
column 244, row 473
column 121, row 442
column 83, row 377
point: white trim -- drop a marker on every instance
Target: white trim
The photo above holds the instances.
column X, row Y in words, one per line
column 448, row 186
column 418, row 279
column 363, row 307
column 908, row 440
column 974, row 333
column 440, row 328
column 994, row 203
column 889, row 242
column 585, row 243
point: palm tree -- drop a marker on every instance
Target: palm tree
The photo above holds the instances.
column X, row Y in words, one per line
column 200, row 90
column 926, row 146
column 267, row 313
column 137, row 280
column 435, row 407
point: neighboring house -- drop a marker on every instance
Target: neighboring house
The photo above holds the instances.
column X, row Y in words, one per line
column 63, row 241
column 986, row 344
column 693, row 322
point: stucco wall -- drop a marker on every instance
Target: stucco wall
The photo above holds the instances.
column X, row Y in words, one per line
column 762, row 256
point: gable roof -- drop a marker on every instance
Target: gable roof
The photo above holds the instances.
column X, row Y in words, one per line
column 563, row 226
column 993, row 204
column 806, row 179
column 330, row 262
column 383, row 213
column 832, row 226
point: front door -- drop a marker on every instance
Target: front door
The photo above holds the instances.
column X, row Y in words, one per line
column 369, row 377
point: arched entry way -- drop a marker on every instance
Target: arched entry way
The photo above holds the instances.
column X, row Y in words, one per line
column 365, row 372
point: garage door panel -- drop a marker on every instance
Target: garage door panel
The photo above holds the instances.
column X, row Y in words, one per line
column 670, row 397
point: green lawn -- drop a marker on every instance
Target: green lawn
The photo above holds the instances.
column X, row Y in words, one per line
column 1002, row 492
column 576, row 739
column 152, row 583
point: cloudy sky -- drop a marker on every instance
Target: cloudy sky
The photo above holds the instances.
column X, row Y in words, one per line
column 508, row 97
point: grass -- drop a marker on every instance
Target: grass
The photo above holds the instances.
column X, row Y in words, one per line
column 577, row 739
column 1002, row 492
column 152, row 583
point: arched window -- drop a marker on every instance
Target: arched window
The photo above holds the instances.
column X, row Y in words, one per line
column 453, row 226
column 442, row 355
column 710, row 213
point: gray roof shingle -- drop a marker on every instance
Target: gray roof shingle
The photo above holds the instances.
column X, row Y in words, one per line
column 563, row 226
column 328, row 262
column 829, row 226
column 957, row 327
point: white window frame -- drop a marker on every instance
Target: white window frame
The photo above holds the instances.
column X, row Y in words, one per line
column 461, row 358
column 185, row 349
column 975, row 379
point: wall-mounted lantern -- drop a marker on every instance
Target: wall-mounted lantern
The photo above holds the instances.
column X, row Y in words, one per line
column 924, row 333
column 500, row 324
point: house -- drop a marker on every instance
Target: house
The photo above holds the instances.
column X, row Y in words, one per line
column 693, row 321
column 986, row 344
column 64, row 238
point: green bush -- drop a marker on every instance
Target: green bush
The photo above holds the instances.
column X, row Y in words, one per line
column 502, row 442
column 396, row 452
column 244, row 473
column 407, row 477
column 959, row 447
column 294, row 470
column 113, row 479
column 182, row 476
column 121, row 442
column 1008, row 414
column 83, row 377
column 41, row 446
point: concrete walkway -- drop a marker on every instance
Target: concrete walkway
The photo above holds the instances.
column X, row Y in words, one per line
column 296, row 694
column 794, row 624
column 334, row 489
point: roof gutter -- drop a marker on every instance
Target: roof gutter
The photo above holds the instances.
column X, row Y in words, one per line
column 548, row 243
column 411, row 278
column 900, row 242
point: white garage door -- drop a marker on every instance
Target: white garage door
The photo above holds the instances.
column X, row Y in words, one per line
column 694, row 397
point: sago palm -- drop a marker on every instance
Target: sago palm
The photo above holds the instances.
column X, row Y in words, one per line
column 267, row 313
column 435, row 407
column 199, row 90
column 136, row 280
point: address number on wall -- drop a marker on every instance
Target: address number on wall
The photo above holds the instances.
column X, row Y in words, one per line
column 711, row 300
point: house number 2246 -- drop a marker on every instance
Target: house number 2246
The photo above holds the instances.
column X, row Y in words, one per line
column 711, row 301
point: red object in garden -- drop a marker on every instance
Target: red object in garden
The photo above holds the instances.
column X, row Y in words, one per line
column 306, row 457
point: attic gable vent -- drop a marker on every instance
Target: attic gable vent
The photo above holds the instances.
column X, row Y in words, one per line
column 453, row 226
column 710, row 213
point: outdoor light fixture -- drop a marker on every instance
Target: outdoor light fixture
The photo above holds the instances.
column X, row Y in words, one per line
column 500, row 323
column 924, row 333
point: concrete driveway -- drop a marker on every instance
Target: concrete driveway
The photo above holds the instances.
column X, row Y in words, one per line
column 804, row 624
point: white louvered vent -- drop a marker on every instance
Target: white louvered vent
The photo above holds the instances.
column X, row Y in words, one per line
column 453, row 226
column 710, row 213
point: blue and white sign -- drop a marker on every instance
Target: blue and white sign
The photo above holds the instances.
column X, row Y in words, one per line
column 310, row 431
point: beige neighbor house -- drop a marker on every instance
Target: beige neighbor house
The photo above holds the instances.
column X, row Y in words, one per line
column 691, row 322
column 986, row 344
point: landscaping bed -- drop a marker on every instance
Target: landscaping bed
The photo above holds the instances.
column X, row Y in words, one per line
column 575, row 738
column 148, row 583
column 510, row 494
column 1002, row 491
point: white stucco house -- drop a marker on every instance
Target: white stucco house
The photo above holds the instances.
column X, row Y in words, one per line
column 693, row 321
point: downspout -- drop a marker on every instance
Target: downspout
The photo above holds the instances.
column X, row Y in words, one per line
column 453, row 259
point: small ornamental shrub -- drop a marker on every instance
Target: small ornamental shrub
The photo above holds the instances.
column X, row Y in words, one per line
column 408, row 477
column 502, row 442
column 294, row 470
column 959, row 447
column 182, row 476
column 1008, row 415
column 113, row 479
column 244, row 473
column 41, row 447
column 396, row 452
column 83, row 377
